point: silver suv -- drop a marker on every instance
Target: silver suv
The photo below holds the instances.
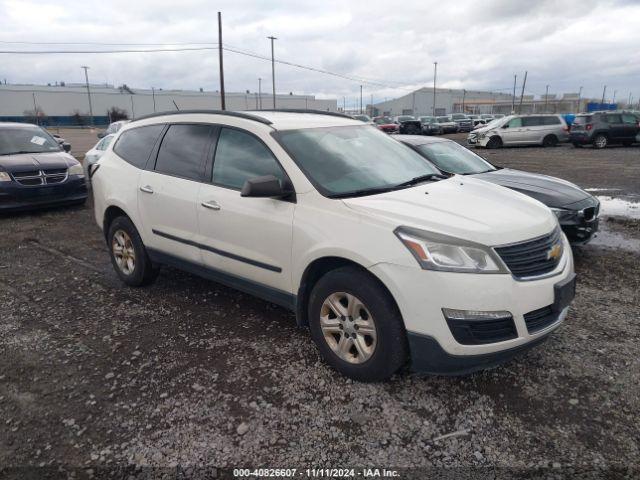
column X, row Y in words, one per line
column 545, row 130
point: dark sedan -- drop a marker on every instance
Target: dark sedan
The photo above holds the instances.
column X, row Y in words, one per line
column 35, row 171
column 577, row 211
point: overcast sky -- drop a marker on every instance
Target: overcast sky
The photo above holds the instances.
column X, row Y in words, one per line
column 478, row 44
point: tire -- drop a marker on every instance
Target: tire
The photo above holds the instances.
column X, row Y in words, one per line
column 577, row 145
column 494, row 142
column 374, row 343
column 600, row 141
column 550, row 141
column 133, row 265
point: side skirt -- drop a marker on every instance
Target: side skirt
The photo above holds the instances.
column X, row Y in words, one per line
column 279, row 297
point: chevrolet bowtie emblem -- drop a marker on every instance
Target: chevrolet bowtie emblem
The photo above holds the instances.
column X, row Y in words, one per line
column 554, row 252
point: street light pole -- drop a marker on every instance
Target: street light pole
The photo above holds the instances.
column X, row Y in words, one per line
column 360, row 99
column 273, row 71
column 513, row 99
column 260, row 92
column 222, row 99
column 435, row 73
column 604, row 91
column 546, row 98
column 579, row 98
column 153, row 95
column 86, row 79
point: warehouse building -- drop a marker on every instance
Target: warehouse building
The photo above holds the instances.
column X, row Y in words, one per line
column 69, row 104
column 448, row 101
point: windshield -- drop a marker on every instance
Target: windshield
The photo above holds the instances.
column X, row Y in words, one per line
column 345, row 161
column 451, row 157
column 494, row 123
column 405, row 118
column 458, row 116
column 362, row 118
column 26, row 140
column 383, row 120
column 443, row 119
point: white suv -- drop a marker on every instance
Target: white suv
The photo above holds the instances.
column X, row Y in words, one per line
column 383, row 258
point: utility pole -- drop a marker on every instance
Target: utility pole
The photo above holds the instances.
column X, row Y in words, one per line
column 222, row 99
column 524, row 82
column 86, row 79
column 273, row 71
column 344, row 104
column 435, row 73
column 464, row 94
column 360, row 99
column 372, row 103
column 604, row 91
column 614, row 96
column 35, row 108
column 579, row 98
column 546, row 98
column 260, row 92
column 629, row 102
column 153, row 95
column 513, row 99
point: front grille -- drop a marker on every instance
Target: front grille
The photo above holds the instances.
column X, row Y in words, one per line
column 32, row 178
column 533, row 257
column 539, row 319
column 479, row 332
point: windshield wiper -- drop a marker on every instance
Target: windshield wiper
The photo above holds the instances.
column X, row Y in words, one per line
column 21, row 152
column 362, row 192
column 422, row 178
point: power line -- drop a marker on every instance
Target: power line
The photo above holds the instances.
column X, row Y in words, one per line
column 147, row 50
column 106, row 44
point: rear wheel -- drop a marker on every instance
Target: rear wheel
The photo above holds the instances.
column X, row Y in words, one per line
column 600, row 141
column 356, row 325
column 128, row 255
column 494, row 142
column 550, row 141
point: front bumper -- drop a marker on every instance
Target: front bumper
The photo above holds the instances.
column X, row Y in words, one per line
column 580, row 223
column 16, row 197
column 421, row 295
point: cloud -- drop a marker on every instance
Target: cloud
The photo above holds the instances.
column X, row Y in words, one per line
column 478, row 44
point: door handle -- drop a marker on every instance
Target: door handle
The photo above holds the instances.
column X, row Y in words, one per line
column 146, row 189
column 211, row 205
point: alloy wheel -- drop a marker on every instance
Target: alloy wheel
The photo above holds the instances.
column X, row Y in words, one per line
column 348, row 327
column 123, row 252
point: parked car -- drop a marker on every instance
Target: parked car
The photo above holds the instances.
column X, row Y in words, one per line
column 386, row 124
column 545, row 130
column 113, row 127
column 430, row 126
column 605, row 128
column 465, row 124
column 93, row 155
column 408, row 124
column 383, row 258
column 447, row 125
column 35, row 171
column 363, row 118
column 577, row 210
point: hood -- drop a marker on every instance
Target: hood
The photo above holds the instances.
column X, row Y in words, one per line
column 462, row 207
column 553, row 192
column 25, row 162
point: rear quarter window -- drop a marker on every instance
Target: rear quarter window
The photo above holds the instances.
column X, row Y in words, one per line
column 135, row 145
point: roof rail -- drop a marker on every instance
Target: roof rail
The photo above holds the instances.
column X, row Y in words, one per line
column 303, row 110
column 247, row 116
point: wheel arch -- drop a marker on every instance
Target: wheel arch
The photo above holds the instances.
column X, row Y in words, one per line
column 314, row 271
column 110, row 214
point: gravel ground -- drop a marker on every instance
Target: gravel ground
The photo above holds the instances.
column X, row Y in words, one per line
column 94, row 375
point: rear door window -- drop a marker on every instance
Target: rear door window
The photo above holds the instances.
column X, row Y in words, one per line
column 550, row 120
column 532, row 121
column 183, row 149
column 135, row 145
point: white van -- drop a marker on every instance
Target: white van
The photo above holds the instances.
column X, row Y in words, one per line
column 545, row 130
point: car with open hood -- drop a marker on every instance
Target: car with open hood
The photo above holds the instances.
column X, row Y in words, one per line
column 36, row 171
column 384, row 259
column 577, row 210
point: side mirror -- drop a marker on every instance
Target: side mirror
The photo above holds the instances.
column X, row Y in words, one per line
column 102, row 135
column 66, row 147
column 267, row 186
column 506, row 125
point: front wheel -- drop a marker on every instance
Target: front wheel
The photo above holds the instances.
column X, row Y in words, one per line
column 357, row 326
column 128, row 255
column 494, row 142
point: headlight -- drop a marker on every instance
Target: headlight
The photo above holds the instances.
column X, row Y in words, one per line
column 76, row 170
column 435, row 251
column 5, row 177
column 563, row 214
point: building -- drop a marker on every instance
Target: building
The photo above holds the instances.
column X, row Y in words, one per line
column 448, row 101
column 69, row 104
